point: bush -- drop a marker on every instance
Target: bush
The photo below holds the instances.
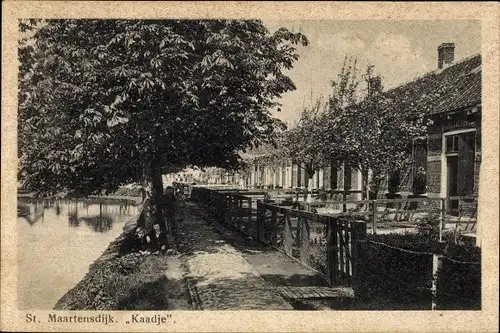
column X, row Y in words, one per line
column 317, row 258
column 404, row 278
column 420, row 182
column 394, row 182
column 459, row 284
column 401, row 277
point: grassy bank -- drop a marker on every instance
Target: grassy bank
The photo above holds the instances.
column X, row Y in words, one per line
column 124, row 280
column 129, row 282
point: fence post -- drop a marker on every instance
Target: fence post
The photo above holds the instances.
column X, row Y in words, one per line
column 358, row 246
column 231, row 210
column 374, row 216
column 226, row 199
column 259, row 220
column 436, row 265
column 250, row 226
column 240, row 214
column 331, row 251
column 222, row 207
column 287, row 235
column 304, row 239
column 443, row 218
column 274, row 223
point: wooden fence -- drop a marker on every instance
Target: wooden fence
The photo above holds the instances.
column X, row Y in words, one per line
column 459, row 210
column 325, row 243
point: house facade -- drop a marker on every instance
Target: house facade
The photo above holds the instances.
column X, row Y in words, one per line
column 450, row 156
column 336, row 180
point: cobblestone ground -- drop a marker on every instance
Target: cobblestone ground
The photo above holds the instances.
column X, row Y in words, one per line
column 217, row 273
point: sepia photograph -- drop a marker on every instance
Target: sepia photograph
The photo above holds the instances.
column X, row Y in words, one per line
column 264, row 164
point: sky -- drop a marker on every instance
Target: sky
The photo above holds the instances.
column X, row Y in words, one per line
column 400, row 51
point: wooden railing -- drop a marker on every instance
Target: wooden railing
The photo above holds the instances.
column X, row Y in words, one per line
column 325, row 243
column 405, row 209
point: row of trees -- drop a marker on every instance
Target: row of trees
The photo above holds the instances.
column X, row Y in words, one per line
column 358, row 125
column 107, row 102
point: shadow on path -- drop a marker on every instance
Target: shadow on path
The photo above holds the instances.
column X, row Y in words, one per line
column 276, row 268
column 218, row 275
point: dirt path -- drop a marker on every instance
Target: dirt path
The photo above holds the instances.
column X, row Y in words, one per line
column 277, row 268
column 219, row 276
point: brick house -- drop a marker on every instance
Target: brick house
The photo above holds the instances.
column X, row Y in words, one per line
column 451, row 155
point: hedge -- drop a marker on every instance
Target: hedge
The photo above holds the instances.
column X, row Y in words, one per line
column 405, row 278
column 459, row 284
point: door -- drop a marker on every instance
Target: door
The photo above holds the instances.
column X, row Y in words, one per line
column 452, row 164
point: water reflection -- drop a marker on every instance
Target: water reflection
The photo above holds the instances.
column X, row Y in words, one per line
column 98, row 216
column 58, row 240
column 98, row 223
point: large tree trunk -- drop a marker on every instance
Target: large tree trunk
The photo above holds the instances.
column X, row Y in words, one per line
column 157, row 197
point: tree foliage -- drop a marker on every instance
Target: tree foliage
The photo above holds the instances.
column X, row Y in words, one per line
column 360, row 125
column 306, row 143
column 102, row 100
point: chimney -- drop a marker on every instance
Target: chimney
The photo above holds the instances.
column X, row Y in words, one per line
column 446, row 55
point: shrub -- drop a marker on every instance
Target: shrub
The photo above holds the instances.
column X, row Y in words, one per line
column 459, row 284
column 405, row 277
column 420, row 182
column 317, row 258
column 401, row 277
column 394, row 182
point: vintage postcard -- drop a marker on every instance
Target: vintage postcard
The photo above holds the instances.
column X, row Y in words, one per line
column 249, row 166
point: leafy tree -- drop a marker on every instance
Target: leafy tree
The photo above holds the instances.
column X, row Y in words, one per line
column 375, row 130
column 338, row 146
column 307, row 143
column 102, row 101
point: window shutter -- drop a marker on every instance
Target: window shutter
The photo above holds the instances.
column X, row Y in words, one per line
column 326, row 178
column 419, row 156
column 466, row 151
column 333, row 177
column 294, row 175
column 435, row 143
column 347, row 178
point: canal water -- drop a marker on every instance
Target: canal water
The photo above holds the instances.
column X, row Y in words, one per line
column 58, row 240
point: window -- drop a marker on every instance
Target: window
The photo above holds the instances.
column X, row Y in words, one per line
column 466, row 162
column 347, row 178
column 452, row 144
column 460, row 150
column 333, row 177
